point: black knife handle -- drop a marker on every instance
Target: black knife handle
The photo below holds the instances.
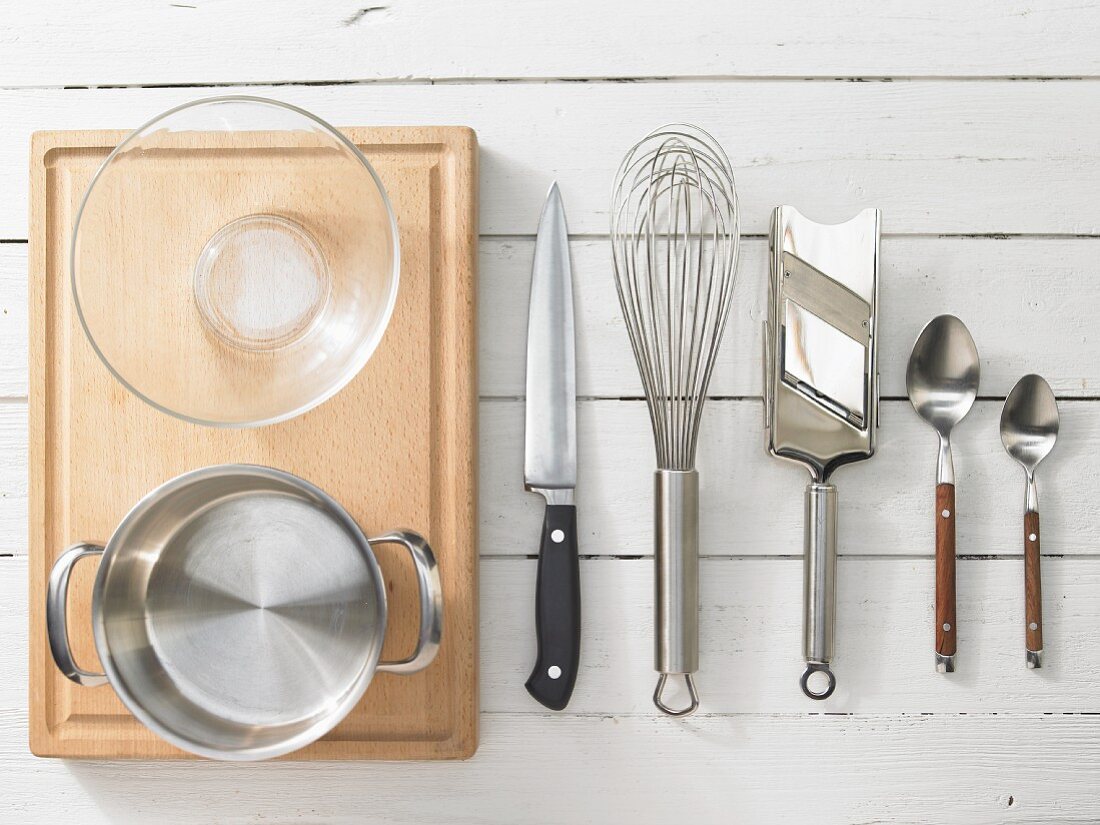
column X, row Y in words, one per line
column 557, row 609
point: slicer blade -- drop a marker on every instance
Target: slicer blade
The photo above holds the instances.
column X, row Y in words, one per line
column 824, row 364
column 821, row 382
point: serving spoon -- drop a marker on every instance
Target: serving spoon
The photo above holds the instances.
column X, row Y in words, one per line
column 1029, row 427
column 942, row 381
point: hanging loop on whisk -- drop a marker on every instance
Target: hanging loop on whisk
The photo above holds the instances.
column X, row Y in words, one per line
column 658, row 699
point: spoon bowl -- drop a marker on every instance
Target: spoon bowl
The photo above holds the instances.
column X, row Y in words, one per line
column 943, row 373
column 1029, row 422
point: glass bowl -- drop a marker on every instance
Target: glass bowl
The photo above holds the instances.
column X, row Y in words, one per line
column 235, row 261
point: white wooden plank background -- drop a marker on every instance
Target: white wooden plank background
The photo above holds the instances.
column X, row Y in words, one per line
column 937, row 156
column 979, row 143
column 191, row 41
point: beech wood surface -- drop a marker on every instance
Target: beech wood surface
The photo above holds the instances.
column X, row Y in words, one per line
column 381, row 446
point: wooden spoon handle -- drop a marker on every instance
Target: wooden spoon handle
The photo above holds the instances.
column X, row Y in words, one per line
column 946, row 632
column 1033, row 591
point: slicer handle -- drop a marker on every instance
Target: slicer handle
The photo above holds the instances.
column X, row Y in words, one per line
column 557, row 609
column 819, row 587
column 946, row 630
column 1033, row 591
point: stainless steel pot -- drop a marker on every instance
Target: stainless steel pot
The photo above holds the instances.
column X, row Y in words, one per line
column 239, row 611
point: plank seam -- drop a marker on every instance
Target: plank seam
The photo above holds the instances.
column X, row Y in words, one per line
column 907, row 557
column 15, row 400
column 579, row 237
column 589, row 79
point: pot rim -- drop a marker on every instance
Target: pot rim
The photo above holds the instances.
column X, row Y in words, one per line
column 326, row 722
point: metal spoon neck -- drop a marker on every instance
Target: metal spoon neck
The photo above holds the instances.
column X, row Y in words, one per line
column 945, row 466
column 1031, row 501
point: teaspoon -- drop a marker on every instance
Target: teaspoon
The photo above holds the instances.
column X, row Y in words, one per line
column 1029, row 427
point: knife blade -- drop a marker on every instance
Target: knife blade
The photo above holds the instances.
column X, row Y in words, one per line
column 550, row 458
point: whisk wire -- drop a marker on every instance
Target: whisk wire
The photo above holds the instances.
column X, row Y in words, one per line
column 675, row 233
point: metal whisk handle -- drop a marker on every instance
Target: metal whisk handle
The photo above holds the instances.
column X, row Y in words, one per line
column 676, row 536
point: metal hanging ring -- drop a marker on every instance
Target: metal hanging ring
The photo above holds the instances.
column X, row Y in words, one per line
column 690, row 709
column 812, row 668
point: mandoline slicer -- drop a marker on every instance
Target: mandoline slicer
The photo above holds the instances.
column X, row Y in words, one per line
column 821, row 387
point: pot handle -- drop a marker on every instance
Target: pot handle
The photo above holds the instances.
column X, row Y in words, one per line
column 431, row 602
column 57, row 630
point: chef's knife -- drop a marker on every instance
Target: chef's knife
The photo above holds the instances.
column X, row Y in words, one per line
column 550, row 458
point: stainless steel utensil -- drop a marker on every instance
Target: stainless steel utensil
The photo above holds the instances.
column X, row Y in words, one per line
column 239, row 611
column 942, row 381
column 1029, row 428
column 821, row 388
column 550, row 458
column 675, row 240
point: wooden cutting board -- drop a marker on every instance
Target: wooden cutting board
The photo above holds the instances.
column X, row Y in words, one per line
column 396, row 447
